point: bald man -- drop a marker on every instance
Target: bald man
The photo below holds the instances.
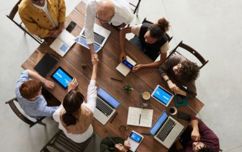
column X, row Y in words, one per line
column 116, row 12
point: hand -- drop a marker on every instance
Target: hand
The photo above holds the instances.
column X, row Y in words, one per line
column 173, row 87
column 95, row 59
column 72, row 85
column 195, row 135
column 122, row 56
column 49, row 84
column 137, row 67
column 120, row 148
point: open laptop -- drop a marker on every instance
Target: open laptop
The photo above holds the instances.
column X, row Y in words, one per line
column 106, row 106
column 166, row 130
column 100, row 37
column 162, row 95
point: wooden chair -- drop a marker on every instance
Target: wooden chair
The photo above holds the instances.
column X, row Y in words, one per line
column 12, row 16
column 23, row 116
column 61, row 143
column 184, row 47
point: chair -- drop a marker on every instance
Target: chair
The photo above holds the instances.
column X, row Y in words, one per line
column 12, row 16
column 61, row 143
column 22, row 116
column 134, row 5
column 185, row 48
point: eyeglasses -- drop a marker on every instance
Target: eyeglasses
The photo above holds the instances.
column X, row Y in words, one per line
column 101, row 20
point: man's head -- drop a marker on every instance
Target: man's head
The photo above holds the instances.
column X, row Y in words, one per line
column 186, row 70
column 156, row 31
column 199, row 146
column 30, row 89
column 105, row 11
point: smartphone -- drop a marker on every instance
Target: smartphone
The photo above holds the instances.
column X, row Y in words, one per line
column 71, row 26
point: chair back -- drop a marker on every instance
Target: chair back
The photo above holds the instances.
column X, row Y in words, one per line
column 189, row 53
column 22, row 116
column 62, row 143
column 134, row 5
column 12, row 16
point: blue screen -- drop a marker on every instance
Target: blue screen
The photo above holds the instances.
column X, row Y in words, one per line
column 135, row 137
column 82, row 40
column 62, row 77
column 162, row 95
column 108, row 98
column 129, row 65
column 159, row 123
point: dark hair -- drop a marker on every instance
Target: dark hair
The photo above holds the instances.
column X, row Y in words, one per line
column 159, row 29
column 189, row 71
column 71, row 103
column 206, row 149
column 30, row 89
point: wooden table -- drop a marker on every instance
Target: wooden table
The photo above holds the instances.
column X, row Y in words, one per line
column 143, row 80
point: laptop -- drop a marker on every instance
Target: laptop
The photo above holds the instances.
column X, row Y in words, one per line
column 166, row 130
column 161, row 95
column 100, row 37
column 106, row 106
column 45, row 65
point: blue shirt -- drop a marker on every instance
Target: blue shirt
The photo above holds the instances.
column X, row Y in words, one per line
column 36, row 108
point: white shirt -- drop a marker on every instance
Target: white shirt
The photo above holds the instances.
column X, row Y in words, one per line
column 123, row 14
column 45, row 9
column 91, row 104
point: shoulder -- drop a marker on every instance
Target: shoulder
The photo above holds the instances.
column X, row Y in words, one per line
column 24, row 5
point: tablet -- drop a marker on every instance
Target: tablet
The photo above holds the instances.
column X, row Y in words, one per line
column 129, row 65
column 134, row 139
column 162, row 95
column 62, row 77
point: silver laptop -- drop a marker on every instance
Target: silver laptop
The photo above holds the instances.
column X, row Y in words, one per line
column 100, row 37
column 166, row 130
column 106, row 106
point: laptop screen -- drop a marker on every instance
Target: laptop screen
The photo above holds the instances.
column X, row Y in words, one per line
column 108, row 98
column 162, row 95
column 97, row 38
column 159, row 123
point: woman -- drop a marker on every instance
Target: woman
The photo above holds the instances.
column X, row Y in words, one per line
column 75, row 114
column 150, row 38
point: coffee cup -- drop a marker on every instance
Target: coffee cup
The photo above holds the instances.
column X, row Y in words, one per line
column 146, row 96
column 173, row 111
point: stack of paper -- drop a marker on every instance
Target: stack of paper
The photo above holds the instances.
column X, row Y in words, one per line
column 63, row 43
column 140, row 117
column 126, row 66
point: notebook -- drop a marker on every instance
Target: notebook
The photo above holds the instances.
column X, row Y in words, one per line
column 45, row 65
column 126, row 66
column 63, row 43
column 140, row 117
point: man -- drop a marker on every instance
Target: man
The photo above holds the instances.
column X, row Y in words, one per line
column 198, row 138
column 151, row 39
column 114, row 144
column 44, row 18
column 180, row 75
column 116, row 12
column 28, row 94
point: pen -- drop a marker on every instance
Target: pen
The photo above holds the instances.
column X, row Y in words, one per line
column 139, row 118
column 112, row 78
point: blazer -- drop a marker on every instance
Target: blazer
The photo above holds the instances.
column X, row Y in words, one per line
column 36, row 21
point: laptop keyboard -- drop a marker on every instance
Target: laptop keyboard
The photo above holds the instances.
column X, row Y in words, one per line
column 164, row 132
column 103, row 107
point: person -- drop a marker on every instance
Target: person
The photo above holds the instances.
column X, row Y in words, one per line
column 113, row 144
column 75, row 115
column 180, row 75
column 116, row 12
column 198, row 138
column 44, row 18
column 29, row 96
column 150, row 38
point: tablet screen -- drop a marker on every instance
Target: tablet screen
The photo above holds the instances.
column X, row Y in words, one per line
column 134, row 136
column 129, row 65
column 162, row 95
column 62, row 77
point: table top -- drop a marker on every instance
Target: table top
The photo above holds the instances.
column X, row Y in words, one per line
column 78, row 64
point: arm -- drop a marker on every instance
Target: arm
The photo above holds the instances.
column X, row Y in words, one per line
column 191, row 90
column 35, row 75
column 195, row 135
column 32, row 26
column 62, row 12
column 122, row 35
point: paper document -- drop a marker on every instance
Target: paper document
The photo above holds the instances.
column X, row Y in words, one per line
column 63, row 43
column 126, row 66
column 140, row 117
